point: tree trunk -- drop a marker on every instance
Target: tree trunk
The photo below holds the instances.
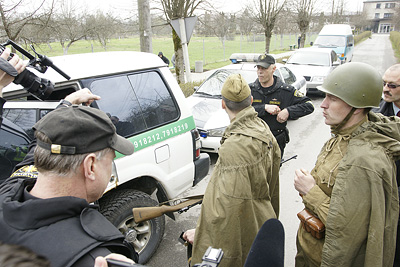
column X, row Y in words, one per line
column 267, row 41
column 303, row 39
column 145, row 26
column 179, row 64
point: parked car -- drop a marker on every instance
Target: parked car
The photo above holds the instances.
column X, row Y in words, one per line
column 147, row 106
column 340, row 38
column 314, row 64
column 211, row 120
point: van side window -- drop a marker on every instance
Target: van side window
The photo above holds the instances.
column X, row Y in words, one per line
column 136, row 102
column 13, row 148
column 156, row 102
column 24, row 118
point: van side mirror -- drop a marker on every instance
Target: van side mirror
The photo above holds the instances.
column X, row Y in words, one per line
column 336, row 63
column 311, row 43
column 350, row 44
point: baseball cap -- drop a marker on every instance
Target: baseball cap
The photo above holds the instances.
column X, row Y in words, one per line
column 235, row 88
column 80, row 130
column 265, row 61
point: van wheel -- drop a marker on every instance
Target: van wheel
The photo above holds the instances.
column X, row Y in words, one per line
column 146, row 236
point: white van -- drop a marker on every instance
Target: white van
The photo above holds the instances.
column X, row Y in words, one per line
column 340, row 38
column 148, row 107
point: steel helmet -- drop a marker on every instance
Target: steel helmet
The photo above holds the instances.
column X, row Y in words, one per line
column 358, row 84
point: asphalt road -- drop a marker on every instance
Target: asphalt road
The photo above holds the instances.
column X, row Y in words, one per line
column 307, row 137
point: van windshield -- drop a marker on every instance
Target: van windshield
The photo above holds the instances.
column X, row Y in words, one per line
column 330, row 41
column 312, row 58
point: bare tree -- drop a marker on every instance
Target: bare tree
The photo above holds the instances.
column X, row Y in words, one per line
column 304, row 9
column 176, row 9
column 267, row 12
column 285, row 24
column 102, row 27
column 245, row 22
column 69, row 26
column 14, row 16
column 337, row 11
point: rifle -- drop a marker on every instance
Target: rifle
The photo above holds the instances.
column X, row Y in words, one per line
column 147, row 213
column 286, row 160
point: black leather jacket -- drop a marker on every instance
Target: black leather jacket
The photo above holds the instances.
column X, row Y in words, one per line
column 283, row 95
column 68, row 231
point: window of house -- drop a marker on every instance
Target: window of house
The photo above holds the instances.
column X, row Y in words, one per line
column 378, row 5
column 387, row 15
column 389, row 5
column 377, row 15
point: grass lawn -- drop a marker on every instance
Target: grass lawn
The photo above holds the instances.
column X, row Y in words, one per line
column 210, row 50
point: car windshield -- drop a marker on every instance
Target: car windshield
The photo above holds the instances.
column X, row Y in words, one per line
column 330, row 41
column 213, row 85
column 312, row 58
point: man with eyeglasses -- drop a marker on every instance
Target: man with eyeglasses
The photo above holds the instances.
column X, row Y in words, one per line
column 390, row 106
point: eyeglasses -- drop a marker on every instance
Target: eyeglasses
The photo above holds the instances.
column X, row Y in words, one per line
column 390, row 85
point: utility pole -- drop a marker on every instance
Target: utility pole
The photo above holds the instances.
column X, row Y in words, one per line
column 145, row 26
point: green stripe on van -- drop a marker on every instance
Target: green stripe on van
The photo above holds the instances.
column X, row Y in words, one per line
column 160, row 134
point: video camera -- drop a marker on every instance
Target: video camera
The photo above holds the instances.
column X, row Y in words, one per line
column 38, row 87
column 211, row 258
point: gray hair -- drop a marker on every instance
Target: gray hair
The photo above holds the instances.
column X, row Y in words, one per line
column 60, row 164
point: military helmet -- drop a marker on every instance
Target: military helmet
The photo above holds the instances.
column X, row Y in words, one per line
column 358, row 84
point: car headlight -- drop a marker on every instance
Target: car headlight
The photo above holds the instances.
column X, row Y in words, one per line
column 218, row 132
column 318, row 79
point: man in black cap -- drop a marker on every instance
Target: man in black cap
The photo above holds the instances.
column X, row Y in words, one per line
column 51, row 215
column 164, row 58
column 276, row 101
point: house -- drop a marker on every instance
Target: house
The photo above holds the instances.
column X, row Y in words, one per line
column 381, row 14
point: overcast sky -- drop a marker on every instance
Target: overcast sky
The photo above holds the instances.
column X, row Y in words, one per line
column 223, row 5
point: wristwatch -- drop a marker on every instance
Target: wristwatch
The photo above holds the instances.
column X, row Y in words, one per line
column 65, row 103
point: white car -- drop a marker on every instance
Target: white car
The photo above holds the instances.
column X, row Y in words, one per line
column 147, row 106
column 314, row 64
column 210, row 119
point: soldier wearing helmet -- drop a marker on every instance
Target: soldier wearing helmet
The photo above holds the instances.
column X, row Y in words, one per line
column 352, row 189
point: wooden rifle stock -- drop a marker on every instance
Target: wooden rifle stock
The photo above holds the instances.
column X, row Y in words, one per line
column 147, row 213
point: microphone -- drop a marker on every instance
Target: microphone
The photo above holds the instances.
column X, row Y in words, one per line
column 268, row 248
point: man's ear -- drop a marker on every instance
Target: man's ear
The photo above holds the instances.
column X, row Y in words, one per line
column 223, row 104
column 89, row 166
column 251, row 100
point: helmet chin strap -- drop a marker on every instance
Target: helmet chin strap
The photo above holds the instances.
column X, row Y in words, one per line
column 344, row 121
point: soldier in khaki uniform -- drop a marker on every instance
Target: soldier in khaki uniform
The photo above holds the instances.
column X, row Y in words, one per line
column 352, row 188
column 243, row 191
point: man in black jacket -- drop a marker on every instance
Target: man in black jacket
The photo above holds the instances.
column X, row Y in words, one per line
column 52, row 215
column 276, row 101
column 390, row 106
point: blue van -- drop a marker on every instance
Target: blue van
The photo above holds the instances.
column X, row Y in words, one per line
column 340, row 38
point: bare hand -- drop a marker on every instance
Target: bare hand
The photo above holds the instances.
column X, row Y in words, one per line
column 272, row 109
column 102, row 262
column 83, row 96
column 189, row 235
column 303, row 181
column 282, row 116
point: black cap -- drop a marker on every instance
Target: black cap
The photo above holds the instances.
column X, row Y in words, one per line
column 265, row 61
column 80, row 130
